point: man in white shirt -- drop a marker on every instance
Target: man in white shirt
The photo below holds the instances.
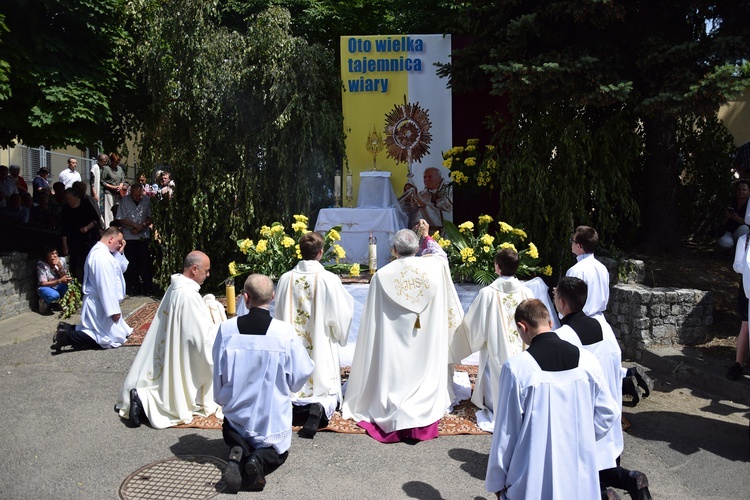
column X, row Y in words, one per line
column 556, row 405
column 102, row 324
column 317, row 304
column 258, row 363
column 134, row 214
column 70, row 174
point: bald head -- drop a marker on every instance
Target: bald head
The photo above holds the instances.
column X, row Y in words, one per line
column 259, row 291
column 196, row 266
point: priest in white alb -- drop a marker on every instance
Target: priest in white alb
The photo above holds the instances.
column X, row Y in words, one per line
column 556, row 405
column 490, row 329
column 170, row 380
column 317, row 304
column 399, row 388
column 102, row 325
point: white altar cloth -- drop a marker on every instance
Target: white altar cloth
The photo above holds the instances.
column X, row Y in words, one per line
column 356, row 225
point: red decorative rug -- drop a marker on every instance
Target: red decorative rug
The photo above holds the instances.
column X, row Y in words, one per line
column 140, row 320
column 461, row 420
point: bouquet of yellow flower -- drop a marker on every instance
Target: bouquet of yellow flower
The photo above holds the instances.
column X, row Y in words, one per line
column 278, row 252
column 471, row 253
column 469, row 166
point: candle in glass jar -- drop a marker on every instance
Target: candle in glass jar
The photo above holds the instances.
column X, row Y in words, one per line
column 349, row 185
column 231, row 303
column 337, row 184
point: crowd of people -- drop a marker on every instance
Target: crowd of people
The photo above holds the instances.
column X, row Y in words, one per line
column 552, row 399
column 73, row 214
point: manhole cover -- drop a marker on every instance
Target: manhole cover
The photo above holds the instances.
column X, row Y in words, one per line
column 190, row 476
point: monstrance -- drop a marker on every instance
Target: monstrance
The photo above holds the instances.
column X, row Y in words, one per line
column 374, row 145
column 407, row 128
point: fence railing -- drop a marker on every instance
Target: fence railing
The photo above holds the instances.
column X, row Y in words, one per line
column 32, row 159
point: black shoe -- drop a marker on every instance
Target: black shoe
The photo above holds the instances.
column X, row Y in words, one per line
column 643, row 380
column 255, row 475
column 630, row 388
column 136, row 408
column 61, row 338
column 638, row 486
column 734, row 372
column 313, row 421
column 232, row 474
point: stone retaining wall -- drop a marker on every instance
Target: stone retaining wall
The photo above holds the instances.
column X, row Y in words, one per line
column 644, row 317
column 17, row 279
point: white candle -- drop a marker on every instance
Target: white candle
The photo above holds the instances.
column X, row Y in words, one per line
column 337, row 184
column 349, row 186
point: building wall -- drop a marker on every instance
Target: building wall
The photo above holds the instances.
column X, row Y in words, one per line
column 736, row 117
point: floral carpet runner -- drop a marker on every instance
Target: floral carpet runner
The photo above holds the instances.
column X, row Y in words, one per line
column 461, row 420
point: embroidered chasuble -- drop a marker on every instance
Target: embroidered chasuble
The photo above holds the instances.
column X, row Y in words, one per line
column 490, row 328
column 317, row 304
column 399, row 377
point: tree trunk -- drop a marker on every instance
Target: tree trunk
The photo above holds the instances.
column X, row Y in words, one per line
column 659, row 217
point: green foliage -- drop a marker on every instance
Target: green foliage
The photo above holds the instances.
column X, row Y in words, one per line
column 277, row 252
column 598, row 93
column 471, row 254
column 61, row 71
column 72, row 300
column 248, row 121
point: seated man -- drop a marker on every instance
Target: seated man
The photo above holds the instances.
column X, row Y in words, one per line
column 317, row 304
column 598, row 338
column 489, row 328
column 102, row 325
column 52, row 278
column 556, row 405
column 258, row 363
column 398, row 386
column 170, row 380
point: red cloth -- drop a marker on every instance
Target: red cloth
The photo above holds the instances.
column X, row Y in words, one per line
column 417, row 433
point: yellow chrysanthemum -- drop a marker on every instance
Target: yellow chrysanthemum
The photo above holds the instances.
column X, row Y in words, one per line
column 265, row 231
column 232, row 268
column 547, row 271
column 333, row 235
column 485, row 219
column 505, row 227
column 246, row 245
column 286, row 241
column 262, row 246
column 486, row 249
column 472, row 142
column 508, row 245
column 458, row 150
column 533, row 251
column 487, row 239
column 470, row 162
column 489, row 147
column 471, row 147
column 301, row 218
column 467, row 255
column 276, row 229
column 436, row 236
column 459, row 177
column 466, row 226
column 444, row 243
column 299, row 227
column 448, row 163
column 521, row 233
column 339, row 251
column 354, row 270
column 298, row 251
